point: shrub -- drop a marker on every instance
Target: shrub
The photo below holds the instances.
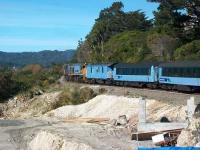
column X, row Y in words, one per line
column 128, row 46
column 74, row 96
column 8, row 87
column 102, row 90
column 189, row 51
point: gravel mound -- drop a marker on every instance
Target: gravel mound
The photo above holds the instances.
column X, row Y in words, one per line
column 110, row 106
column 101, row 106
column 48, row 141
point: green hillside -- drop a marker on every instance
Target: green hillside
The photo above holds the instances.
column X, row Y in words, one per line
column 173, row 34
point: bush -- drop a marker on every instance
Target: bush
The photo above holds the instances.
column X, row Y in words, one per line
column 35, row 76
column 8, row 87
column 74, row 96
column 128, row 46
column 33, row 68
column 102, row 90
column 189, row 51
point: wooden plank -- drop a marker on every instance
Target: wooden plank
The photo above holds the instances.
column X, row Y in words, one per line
column 87, row 120
column 147, row 135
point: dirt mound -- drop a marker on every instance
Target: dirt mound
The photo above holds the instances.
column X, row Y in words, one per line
column 50, row 141
column 36, row 106
column 100, row 106
column 156, row 110
column 109, row 106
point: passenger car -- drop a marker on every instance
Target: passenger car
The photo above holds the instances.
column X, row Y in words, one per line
column 182, row 76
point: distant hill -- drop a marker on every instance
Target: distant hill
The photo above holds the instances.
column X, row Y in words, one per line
column 45, row 58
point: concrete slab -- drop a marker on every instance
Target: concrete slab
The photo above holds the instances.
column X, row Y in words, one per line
column 157, row 127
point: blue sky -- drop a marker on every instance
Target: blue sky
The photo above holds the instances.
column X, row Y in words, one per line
column 34, row 25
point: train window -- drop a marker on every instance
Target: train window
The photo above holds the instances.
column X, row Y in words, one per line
column 170, row 71
column 123, row 71
column 184, row 71
column 164, row 71
column 102, row 69
column 173, row 72
column 181, row 72
column 190, row 72
column 198, row 72
column 129, row 71
column 142, row 71
column 136, row 71
column 91, row 70
column 119, row 71
column 133, row 71
column 126, row 71
column 178, row 72
column 167, row 71
column 139, row 71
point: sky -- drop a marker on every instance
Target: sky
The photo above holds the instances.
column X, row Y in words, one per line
column 35, row 25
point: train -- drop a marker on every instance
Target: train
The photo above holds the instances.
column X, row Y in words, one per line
column 181, row 76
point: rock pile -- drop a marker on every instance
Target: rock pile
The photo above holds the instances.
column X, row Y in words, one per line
column 191, row 135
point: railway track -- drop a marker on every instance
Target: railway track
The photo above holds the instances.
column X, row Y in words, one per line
column 174, row 97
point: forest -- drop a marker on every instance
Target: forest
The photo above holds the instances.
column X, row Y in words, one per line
column 119, row 36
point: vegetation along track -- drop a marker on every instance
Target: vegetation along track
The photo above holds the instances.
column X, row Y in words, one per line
column 158, row 94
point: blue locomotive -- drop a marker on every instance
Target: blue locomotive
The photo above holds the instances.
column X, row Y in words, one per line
column 181, row 76
column 99, row 73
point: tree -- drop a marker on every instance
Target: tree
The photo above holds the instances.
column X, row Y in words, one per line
column 112, row 21
column 84, row 52
column 129, row 46
column 181, row 16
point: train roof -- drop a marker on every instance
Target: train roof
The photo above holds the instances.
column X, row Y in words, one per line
column 140, row 65
column 72, row 64
column 181, row 64
column 104, row 64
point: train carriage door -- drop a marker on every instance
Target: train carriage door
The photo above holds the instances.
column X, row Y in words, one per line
column 155, row 74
